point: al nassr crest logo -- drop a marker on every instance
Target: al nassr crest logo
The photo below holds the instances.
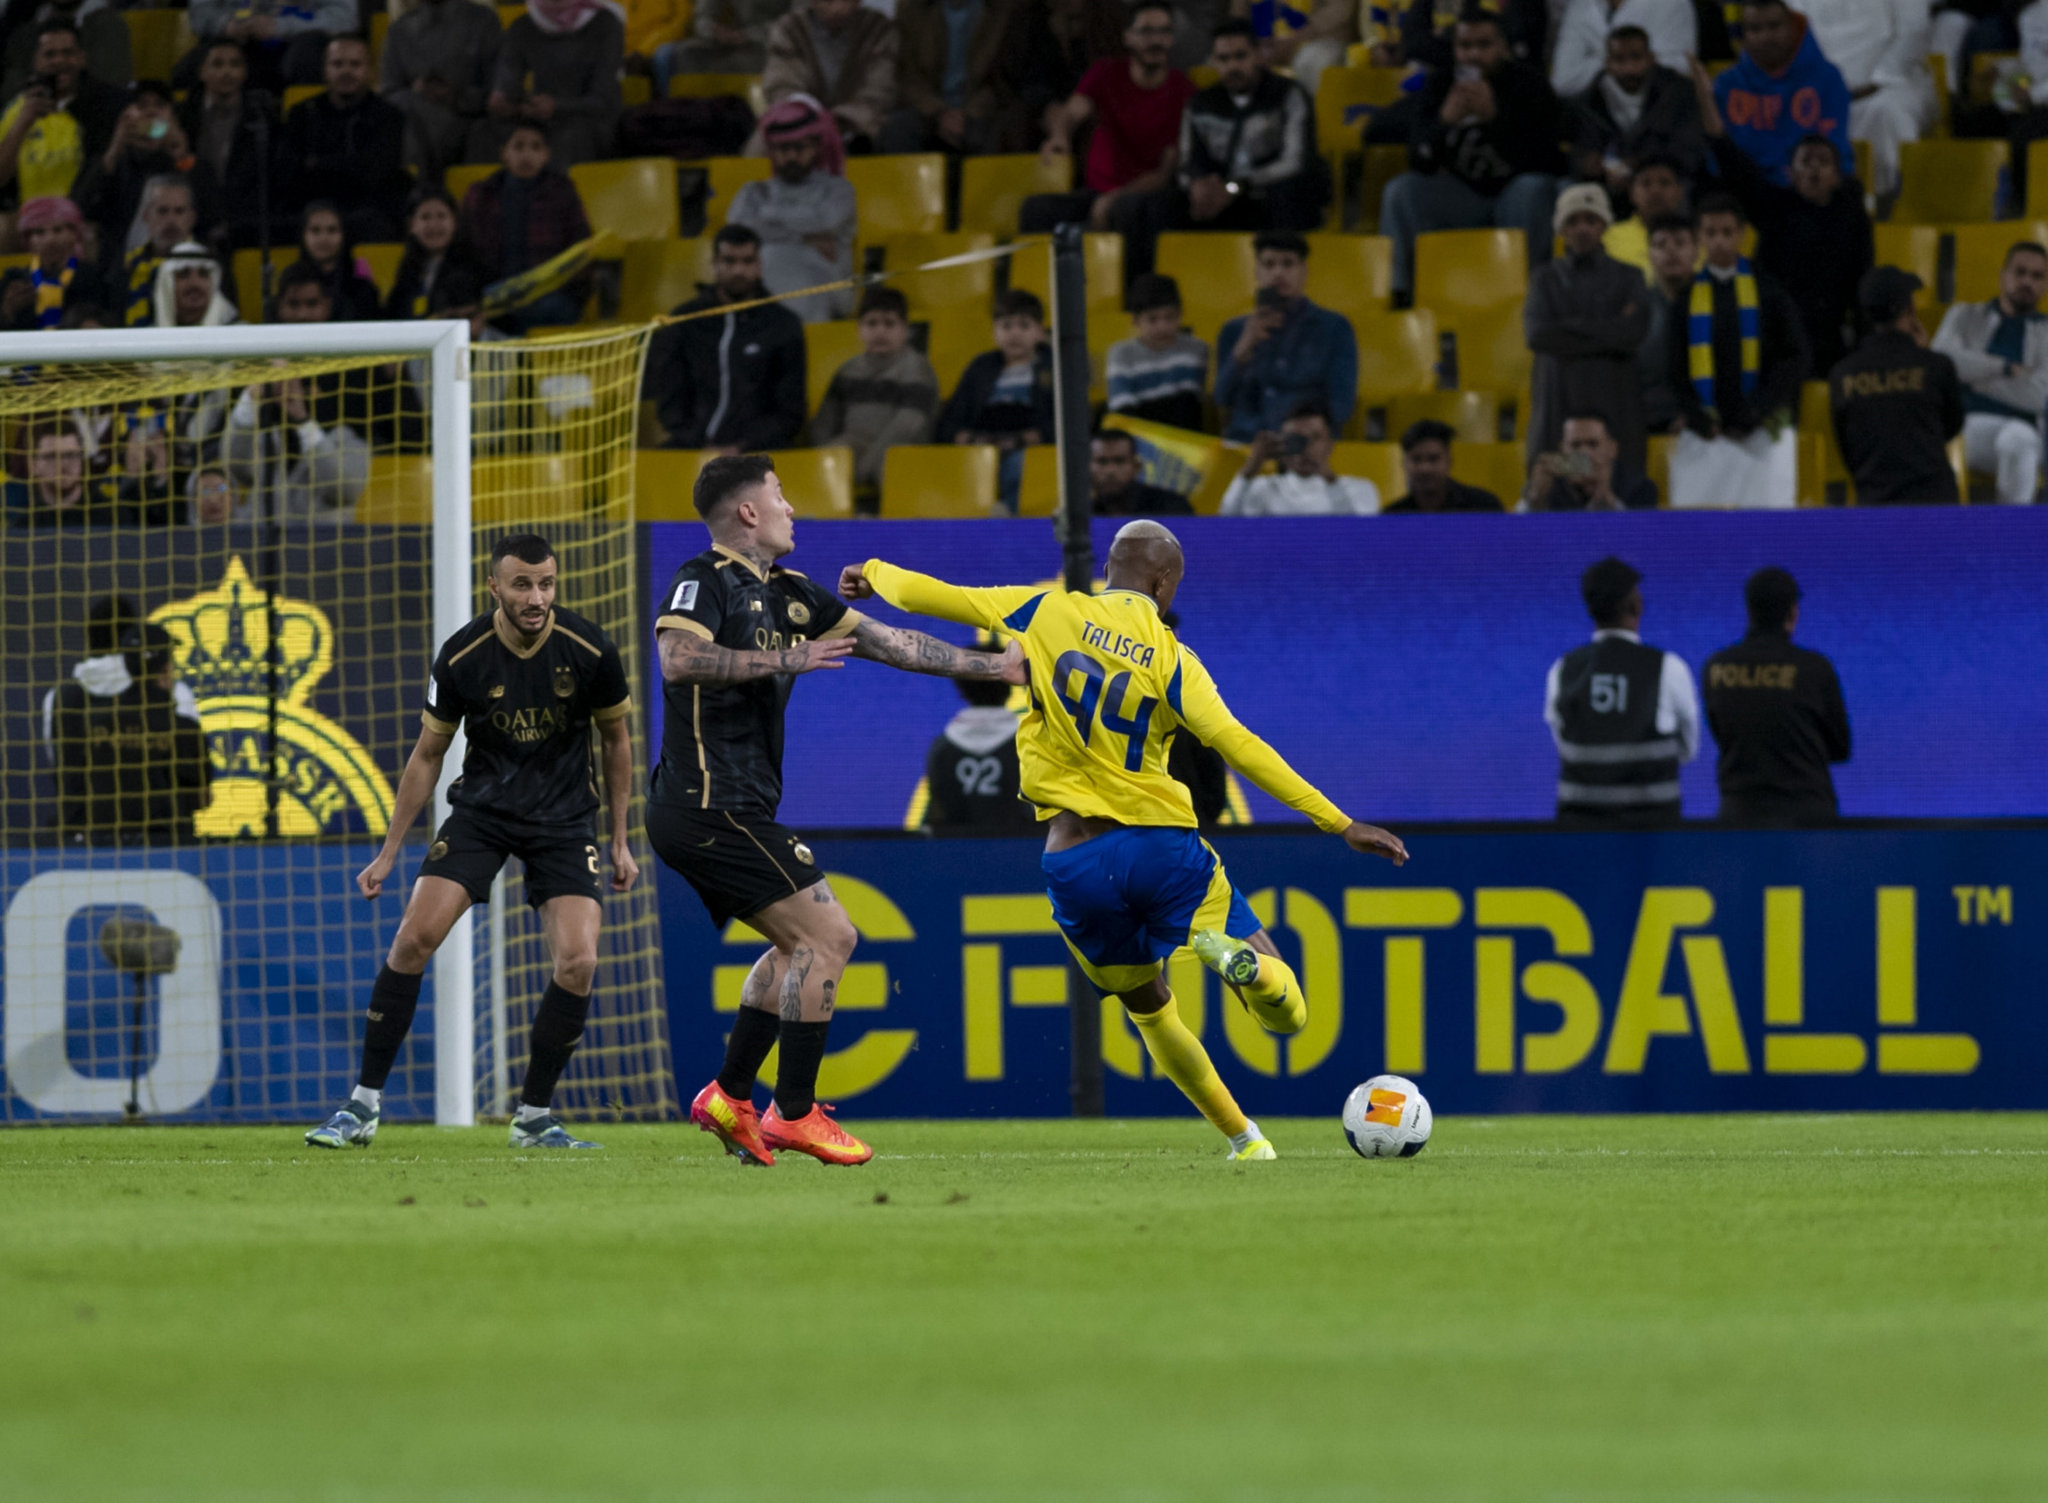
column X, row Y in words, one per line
column 329, row 785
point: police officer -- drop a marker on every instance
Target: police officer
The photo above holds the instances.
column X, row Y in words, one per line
column 1896, row 402
column 1777, row 714
column 1624, row 715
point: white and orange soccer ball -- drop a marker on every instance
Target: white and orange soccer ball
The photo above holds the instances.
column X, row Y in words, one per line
column 1387, row 1118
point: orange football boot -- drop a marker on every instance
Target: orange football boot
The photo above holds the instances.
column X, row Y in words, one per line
column 814, row 1133
column 735, row 1123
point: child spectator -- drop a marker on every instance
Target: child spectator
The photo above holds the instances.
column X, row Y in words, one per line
column 1005, row 395
column 324, row 241
column 440, row 272
column 1159, row 372
column 521, row 215
column 885, row 395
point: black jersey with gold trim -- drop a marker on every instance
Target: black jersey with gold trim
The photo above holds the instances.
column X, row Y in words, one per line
column 721, row 744
column 527, row 712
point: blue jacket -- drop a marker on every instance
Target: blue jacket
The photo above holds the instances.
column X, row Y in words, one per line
column 1313, row 356
column 1767, row 114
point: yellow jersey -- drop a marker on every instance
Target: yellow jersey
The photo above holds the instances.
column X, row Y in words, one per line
column 1109, row 684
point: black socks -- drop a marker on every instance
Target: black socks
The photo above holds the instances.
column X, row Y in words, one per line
column 753, row 1035
column 796, row 1073
column 557, row 1025
column 394, row 997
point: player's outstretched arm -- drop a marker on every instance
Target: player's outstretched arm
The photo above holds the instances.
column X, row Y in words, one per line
column 908, row 590
column 914, row 652
column 687, row 658
column 415, row 791
column 617, row 734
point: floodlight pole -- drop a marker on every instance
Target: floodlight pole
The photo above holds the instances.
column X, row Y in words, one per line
column 1077, row 570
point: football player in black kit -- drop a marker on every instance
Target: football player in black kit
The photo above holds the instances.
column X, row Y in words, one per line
column 734, row 630
column 525, row 682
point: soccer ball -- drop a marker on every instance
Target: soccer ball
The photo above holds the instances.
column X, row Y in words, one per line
column 1386, row 1118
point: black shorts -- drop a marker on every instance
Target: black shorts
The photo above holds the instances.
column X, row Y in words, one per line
column 739, row 864
column 471, row 845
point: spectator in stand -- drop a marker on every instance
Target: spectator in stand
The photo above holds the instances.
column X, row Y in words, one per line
column 1426, row 465
column 102, row 671
column 1114, row 486
column 1896, row 403
column 2000, row 350
column 805, row 213
column 954, row 91
column 1248, row 158
column 286, row 39
column 1427, row 32
column 1782, row 90
column 1636, row 111
column 59, row 122
column 726, row 36
column 1880, row 47
column 1737, row 374
column 220, row 120
column 62, row 278
column 324, row 243
column 888, row 394
column 440, row 275
column 1304, row 485
column 170, row 218
column 1580, row 476
column 439, row 60
column 558, row 68
column 1286, row 350
column 1656, row 188
column 653, row 30
column 147, row 143
column 1669, row 29
column 102, row 33
column 970, row 773
column 1158, row 374
column 1134, row 105
column 58, row 493
column 347, row 145
column 521, row 215
column 1306, row 47
column 210, row 499
column 1484, row 152
column 1053, row 43
column 187, row 293
column 1585, row 320
column 1674, row 257
column 735, row 383
column 841, row 54
column 1814, row 237
column 1005, row 394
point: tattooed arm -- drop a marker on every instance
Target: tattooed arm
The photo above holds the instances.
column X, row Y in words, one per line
column 914, row 652
column 689, row 658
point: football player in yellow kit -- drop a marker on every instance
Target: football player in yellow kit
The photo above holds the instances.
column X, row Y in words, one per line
column 1130, row 879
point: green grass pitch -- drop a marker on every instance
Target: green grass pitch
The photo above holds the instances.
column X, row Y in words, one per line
column 1749, row 1309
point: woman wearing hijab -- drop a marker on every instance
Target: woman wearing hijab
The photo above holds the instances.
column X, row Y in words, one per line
column 324, row 241
column 440, row 275
column 559, row 69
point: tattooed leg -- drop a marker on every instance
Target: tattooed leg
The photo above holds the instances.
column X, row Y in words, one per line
column 814, row 939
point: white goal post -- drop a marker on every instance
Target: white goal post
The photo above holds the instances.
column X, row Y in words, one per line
column 444, row 344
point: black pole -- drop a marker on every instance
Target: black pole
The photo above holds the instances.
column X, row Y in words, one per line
column 1077, row 570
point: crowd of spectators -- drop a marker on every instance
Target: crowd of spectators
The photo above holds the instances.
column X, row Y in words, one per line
column 1683, row 173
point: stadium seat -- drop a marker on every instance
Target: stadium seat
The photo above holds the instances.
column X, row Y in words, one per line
column 727, row 176
column 635, row 89
column 1350, row 273
column 1039, row 495
column 1459, row 273
column 298, row 94
column 507, row 14
column 1382, row 165
column 899, row 195
column 662, row 479
column 827, row 346
column 1657, row 465
column 249, row 278
column 1915, row 248
column 658, row 274
column 400, row 491
column 1945, row 181
column 1379, row 463
column 2037, row 180
column 382, row 257
column 1474, row 414
column 1346, row 100
column 523, row 487
column 1102, row 258
column 1397, row 357
column 939, row 480
column 380, row 27
column 1493, row 353
column 958, row 296
column 993, row 189
column 156, row 40
column 635, row 198
column 1500, row 468
column 745, row 86
column 458, row 180
column 1979, row 255
column 1943, row 110
column 1821, row 464
column 1216, row 276
column 818, row 482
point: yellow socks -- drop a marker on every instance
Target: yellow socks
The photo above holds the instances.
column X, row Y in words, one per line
column 1275, row 998
column 1183, row 1060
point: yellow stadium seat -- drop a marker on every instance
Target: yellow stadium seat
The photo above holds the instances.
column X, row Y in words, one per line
column 459, row 180
column 1459, row 273
column 1915, row 248
column 950, row 352
column 1474, row 414
column 635, row 198
column 1938, row 67
column 523, row 487
column 383, row 257
column 1102, row 269
column 1397, row 356
column 400, row 490
column 507, row 14
column 662, row 480
column 1217, row 277
column 939, row 480
column 1346, row 100
column 249, row 278
column 1821, row 464
column 745, row 86
column 1351, row 273
column 1382, row 165
column 827, row 346
column 959, row 293
column 1379, row 463
column 1039, row 494
column 1945, row 181
column 297, row 94
column 1493, row 353
column 899, row 195
column 380, row 28
column 156, row 40
column 1859, row 153
column 818, row 482
column 728, row 175
column 992, row 189
column 658, row 274
column 1500, row 468
column 1657, row 465
column 1980, row 254
column 635, row 88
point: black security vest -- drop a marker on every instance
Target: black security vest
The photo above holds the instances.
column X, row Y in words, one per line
column 1613, row 764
